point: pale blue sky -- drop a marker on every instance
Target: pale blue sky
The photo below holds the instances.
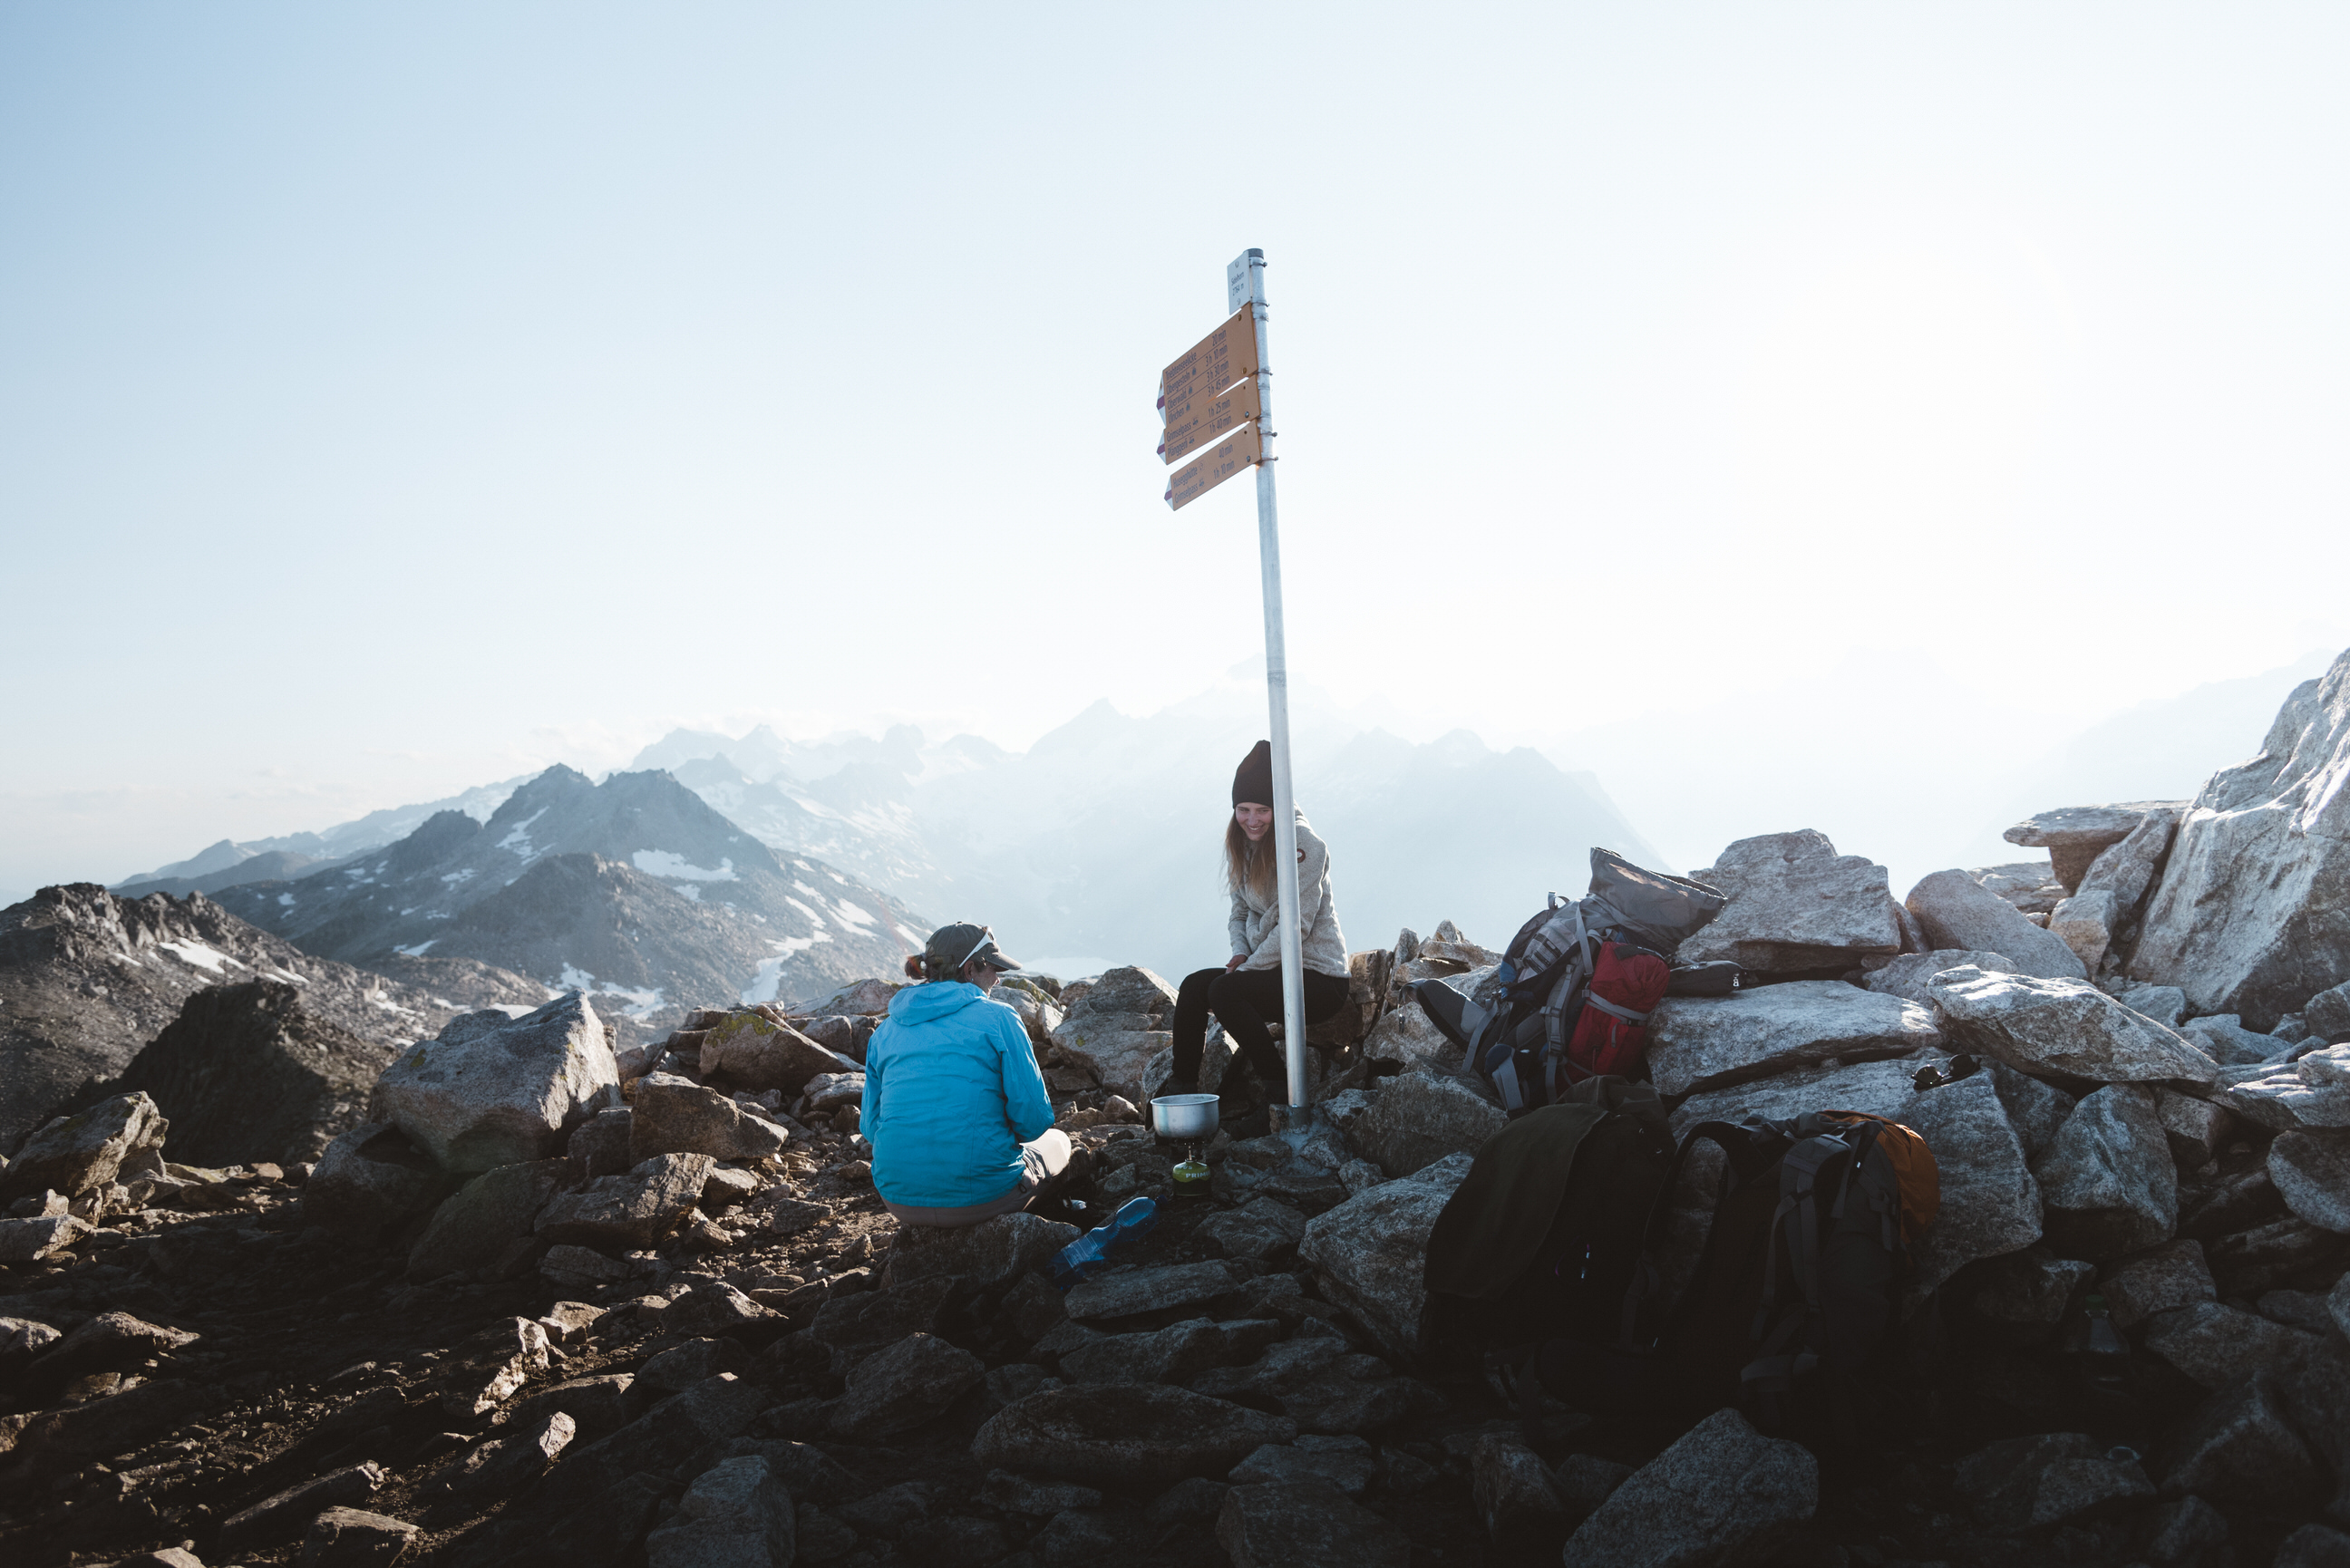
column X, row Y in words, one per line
column 398, row 398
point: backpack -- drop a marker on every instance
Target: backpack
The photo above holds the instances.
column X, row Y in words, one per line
column 1803, row 1261
column 1529, row 1027
column 1589, row 1228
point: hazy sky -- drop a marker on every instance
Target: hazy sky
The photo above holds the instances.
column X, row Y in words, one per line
column 398, row 398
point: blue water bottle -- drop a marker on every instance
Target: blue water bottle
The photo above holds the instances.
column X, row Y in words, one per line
column 1082, row 1258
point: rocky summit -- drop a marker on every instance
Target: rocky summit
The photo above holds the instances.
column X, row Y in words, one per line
column 534, row 1291
column 634, row 891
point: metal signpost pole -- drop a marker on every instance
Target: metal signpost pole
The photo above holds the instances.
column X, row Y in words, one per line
column 1244, row 285
column 1219, row 397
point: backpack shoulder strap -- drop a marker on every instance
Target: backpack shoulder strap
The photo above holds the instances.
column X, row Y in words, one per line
column 1797, row 1222
column 1748, row 1149
column 1563, row 1004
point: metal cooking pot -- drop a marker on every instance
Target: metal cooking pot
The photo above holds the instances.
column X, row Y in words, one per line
column 1184, row 1116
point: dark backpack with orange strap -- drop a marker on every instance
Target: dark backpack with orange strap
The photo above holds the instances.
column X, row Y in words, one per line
column 1802, row 1270
column 1805, row 1261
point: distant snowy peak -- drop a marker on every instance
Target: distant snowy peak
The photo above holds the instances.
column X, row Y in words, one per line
column 635, row 889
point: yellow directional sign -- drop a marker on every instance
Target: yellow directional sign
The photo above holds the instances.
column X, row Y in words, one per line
column 1215, row 362
column 1192, row 423
column 1196, row 478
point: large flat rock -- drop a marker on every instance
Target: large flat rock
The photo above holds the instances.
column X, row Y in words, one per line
column 1881, row 1089
column 1698, row 1043
column 2063, row 1029
column 1796, row 904
column 755, row 1051
column 2075, row 836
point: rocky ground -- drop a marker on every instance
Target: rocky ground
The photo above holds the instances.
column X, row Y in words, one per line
column 682, row 1320
column 564, row 1298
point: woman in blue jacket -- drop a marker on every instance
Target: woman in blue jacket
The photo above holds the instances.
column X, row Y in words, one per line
column 954, row 1103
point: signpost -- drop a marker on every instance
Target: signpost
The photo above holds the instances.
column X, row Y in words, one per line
column 1200, row 401
column 1194, row 421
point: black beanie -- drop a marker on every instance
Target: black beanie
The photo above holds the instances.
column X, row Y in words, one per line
column 1253, row 783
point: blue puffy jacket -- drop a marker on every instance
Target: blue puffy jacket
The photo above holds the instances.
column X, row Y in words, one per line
column 951, row 1091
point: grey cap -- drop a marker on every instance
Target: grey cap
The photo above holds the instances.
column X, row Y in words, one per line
column 951, row 947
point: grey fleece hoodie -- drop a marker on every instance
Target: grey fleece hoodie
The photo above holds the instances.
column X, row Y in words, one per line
column 1255, row 927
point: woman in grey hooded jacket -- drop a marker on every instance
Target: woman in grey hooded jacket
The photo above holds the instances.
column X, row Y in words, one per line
column 1246, row 992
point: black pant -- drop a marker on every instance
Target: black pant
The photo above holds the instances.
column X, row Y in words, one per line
column 1242, row 999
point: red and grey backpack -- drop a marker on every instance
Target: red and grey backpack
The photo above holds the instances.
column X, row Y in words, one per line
column 1572, row 996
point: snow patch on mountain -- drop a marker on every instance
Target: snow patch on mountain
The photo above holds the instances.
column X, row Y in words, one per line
column 662, row 863
column 640, row 1002
column 769, row 977
column 191, row 952
column 518, row 840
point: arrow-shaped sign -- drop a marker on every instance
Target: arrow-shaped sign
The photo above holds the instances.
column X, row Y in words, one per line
column 1192, row 423
column 1195, row 479
column 1215, row 362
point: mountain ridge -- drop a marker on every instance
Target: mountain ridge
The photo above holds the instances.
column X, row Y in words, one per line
column 635, row 890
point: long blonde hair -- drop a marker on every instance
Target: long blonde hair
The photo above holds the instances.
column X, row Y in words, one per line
column 1249, row 866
